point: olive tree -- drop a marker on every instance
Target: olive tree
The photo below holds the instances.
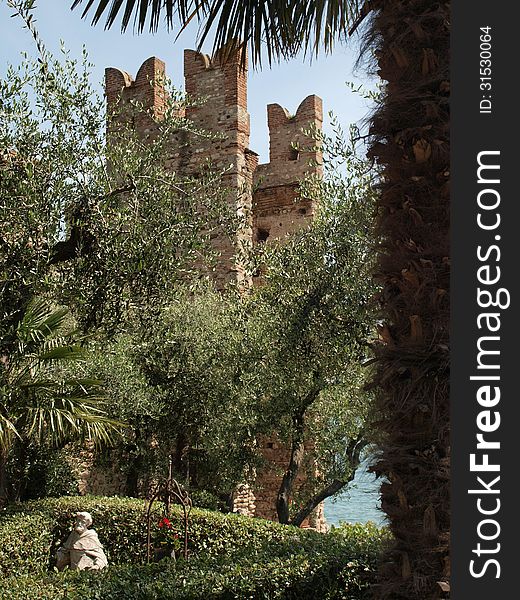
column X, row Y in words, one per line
column 314, row 322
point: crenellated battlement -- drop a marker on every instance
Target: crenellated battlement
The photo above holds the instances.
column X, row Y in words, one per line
column 147, row 89
column 275, row 205
column 210, row 77
column 222, row 87
column 292, row 154
column 278, row 208
column 285, row 129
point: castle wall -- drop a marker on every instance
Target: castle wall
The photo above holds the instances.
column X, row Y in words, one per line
column 266, row 195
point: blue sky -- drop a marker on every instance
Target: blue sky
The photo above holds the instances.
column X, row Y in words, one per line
column 287, row 83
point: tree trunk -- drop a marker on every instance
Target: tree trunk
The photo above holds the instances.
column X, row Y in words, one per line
column 411, row 144
column 135, row 469
column 179, row 455
column 289, row 477
column 297, row 451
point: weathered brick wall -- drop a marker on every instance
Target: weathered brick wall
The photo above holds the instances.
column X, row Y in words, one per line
column 100, row 478
column 271, row 212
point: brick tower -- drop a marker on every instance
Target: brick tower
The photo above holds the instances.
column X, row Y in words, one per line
column 266, row 194
column 277, row 207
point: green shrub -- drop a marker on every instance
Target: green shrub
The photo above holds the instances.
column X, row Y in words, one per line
column 38, row 471
column 207, row 500
column 231, row 557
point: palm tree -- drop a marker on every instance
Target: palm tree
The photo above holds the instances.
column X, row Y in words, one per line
column 39, row 400
column 410, row 141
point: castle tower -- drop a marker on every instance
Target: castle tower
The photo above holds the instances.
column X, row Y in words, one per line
column 266, row 195
column 222, row 87
column 220, row 93
column 147, row 89
column 277, row 206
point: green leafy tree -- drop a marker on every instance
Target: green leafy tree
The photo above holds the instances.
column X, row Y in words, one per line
column 221, row 370
column 134, row 402
column 181, row 384
column 171, row 380
column 410, row 140
column 104, row 228
column 314, row 317
column 195, row 360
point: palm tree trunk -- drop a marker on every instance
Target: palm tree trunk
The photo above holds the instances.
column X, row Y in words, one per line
column 411, row 144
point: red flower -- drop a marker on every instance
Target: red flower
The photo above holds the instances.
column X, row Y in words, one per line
column 164, row 522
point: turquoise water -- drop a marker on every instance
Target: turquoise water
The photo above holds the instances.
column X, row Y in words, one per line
column 359, row 503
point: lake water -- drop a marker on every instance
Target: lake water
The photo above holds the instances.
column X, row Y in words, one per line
column 359, row 503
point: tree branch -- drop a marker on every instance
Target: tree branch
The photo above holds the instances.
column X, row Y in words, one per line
column 354, row 450
column 79, row 238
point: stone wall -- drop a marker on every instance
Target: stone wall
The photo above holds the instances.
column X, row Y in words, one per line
column 98, row 477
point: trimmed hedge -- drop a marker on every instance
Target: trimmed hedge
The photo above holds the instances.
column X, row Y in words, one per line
column 232, row 557
column 31, row 532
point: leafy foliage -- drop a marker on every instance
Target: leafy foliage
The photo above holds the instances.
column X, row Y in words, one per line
column 35, row 470
column 231, row 556
column 279, row 27
column 36, row 402
column 82, row 225
column 181, row 384
column 82, row 220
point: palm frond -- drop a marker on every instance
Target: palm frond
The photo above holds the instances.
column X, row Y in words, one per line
column 63, row 417
column 84, row 384
column 24, row 369
column 136, row 8
column 41, row 322
column 8, row 432
column 280, row 27
column 40, row 399
column 322, row 23
column 68, row 352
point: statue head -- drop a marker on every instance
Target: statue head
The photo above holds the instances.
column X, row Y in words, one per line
column 83, row 522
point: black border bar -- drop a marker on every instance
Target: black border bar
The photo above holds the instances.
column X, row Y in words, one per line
column 485, row 394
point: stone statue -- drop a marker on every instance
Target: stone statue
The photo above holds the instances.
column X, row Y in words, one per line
column 82, row 550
